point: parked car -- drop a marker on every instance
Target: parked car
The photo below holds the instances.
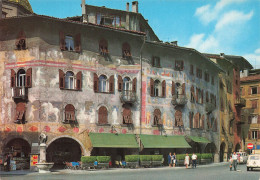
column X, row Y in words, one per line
column 253, row 162
column 243, row 156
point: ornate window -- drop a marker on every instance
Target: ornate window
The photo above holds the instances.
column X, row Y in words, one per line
column 127, row 116
column 70, row 81
column 103, row 87
column 157, row 120
column 102, row 115
column 178, row 119
column 20, row 112
column 70, row 43
column 157, row 88
column 21, row 78
column 102, row 84
column 70, row 114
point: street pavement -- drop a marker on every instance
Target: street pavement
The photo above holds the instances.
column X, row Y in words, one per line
column 217, row 171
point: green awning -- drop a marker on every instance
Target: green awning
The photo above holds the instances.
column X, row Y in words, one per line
column 157, row 141
column 110, row 140
column 199, row 139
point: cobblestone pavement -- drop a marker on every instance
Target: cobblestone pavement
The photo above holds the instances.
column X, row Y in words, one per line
column 219, row 171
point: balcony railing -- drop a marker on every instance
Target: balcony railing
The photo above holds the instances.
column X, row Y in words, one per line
column 241, row 102
column 20, row 92
column 209, row 107
column 128, row 96
column 179, row 99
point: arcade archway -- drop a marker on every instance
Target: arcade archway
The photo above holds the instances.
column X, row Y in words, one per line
column 222, row 152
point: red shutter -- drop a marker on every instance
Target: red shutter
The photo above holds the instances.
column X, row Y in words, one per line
column 134, row 85
column 95, row 82
column 163, row 88
column 62, row 41
column 183, row 89
column 173, row 88
column 28, row 78
column 120, row 83
column 13, row 78
column 79, row 80
column 111, row 84
column 249, row 135
column 62, row 79
column 249, row 90
column 78, row 43
column 202, row 94
column 151, row 87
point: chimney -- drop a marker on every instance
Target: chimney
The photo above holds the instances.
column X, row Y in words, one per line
column 174, row 43
column 222, row 55
column 1, row 9
column 135, row 6
column 127, row 6
column 84, row 14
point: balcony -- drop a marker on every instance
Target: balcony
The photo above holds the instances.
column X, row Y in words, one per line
column 179, row 99
column 240, row 102
column 209, row 107
column 127, row 96
column 20, row 93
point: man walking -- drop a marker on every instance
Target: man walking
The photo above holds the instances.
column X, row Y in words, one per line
column 194, row 160
column 234, row 158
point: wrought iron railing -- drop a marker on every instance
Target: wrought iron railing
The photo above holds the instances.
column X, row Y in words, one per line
column 128, row 96
column 179, row 99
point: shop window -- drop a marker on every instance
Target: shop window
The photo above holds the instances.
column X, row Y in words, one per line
column 254, row 90
column 156, row 62
column 157, row 117
column 103, row 47
column 70, row 80
column 69, row 114
column 126, row 51
column 179, row 65
column 199, row 73
column 102, row 115
column 21, row 41
column 178, row 119
column 127, row 116
column 20, row 113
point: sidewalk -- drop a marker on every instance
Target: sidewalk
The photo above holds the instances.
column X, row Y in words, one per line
column 68, row 171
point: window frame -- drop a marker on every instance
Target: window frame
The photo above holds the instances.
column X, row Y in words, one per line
column 199, row 73
column 69, row 43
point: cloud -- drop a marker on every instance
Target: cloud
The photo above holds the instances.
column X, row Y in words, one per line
column 254, row 58
column 208, row 13
column 232, row 18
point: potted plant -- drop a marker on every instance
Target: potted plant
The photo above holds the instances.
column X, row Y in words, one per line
column 87, row 161
column 206, row 158
column 157, row 160
column 132, row 161
column 103, row 161
column 146, row 160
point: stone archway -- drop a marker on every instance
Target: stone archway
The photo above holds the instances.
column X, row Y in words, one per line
column 64, row 149
column 222, row 153
column 238, row 147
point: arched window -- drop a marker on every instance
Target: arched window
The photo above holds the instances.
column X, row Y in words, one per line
column 196, row 123
column 70, row 113
column 102, row 115
column 69, row 80
column 157, row 117
column 157, row 88
column 178, row 119
column 21, row 78
column 127, row 84
column 102, row 83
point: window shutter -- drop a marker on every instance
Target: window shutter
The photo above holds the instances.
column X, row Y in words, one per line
column 173, row 88
column 62, row 79
column 78, row 43
column 182, row 65
column 62, row 41
column 79, row 80
column 120, row 83
column 183, row 89
column 163, row 88
column 134, row 85
column 249, row 134
column 197, row 95
column 28, row 78
column 13, row 78
column 111, row 84
column 202, row 96
column 249, row 90
column 95, row 82
column 151, row 87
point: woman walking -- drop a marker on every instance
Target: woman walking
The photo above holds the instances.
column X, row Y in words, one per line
column 170, row 159
column 187, row 160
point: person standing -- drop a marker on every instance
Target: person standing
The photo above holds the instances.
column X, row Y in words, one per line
column 194, row 160
column 187, row 160
column 174, row 159
column 230, row 163
column 234, row 158
column 170, row 159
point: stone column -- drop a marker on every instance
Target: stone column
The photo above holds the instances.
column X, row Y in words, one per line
column 42, row 152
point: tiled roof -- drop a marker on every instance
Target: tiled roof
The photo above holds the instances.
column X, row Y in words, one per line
column 250, row 78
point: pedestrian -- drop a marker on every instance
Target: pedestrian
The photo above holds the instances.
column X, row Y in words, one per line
column 230, row 163
column 170, row 159
column 194, row 160
column 234, row 158
column 7, row 162
column 174, row 159
column 187, row 160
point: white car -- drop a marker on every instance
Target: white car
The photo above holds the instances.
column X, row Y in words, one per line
column 243, row 156
column 253, row 162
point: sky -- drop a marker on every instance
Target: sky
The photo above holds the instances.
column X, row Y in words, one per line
column 209, row 26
